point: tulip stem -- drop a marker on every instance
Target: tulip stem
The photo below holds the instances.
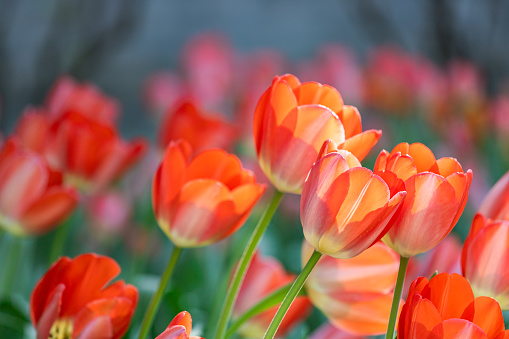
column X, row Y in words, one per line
column 245, row 260
column 12, row 266
column 291, row 295
column 403, row 263
column 60, row 236
column 151, row 311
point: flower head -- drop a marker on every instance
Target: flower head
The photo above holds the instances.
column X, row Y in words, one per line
column 179, row 328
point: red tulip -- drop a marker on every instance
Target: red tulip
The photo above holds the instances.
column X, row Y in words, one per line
column 264, row 276
column 201, row 201
column 496, row 203
column 72, row 300
column 32, row 197
column 32, row 129
column 292, row 121
column 69, row 96
column 186, row 121
column 484, row 259
column 90, row 153
column 179, row 328
column 444, row 307
column 161, row 91
column 354, row 294
column 345, row 210
column 329, row 331
column 437, row 191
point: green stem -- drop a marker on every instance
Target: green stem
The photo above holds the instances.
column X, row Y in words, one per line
column 403, row 263
column 150, row 313
column 245, row 260
column 292, row 294
column 57, row 246
column 12, row 266
column 270, row 301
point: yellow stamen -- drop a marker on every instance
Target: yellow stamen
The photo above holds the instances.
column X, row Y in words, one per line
column 61, row 329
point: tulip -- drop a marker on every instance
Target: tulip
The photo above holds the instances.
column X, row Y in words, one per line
column 264, row 276
column 32, row 129
column 354, row 294
column 345, row 210
column 484, row 259
column 73, row 300
column 187, row 121
column 437, row 191
column 85, row 99
column 179, row 328
column 496, row 203
column 161, row 91
column 89, row 152
column 292, row 121
column 445, row 307
column 329, row 331
column 33, row 199
column 201, row 201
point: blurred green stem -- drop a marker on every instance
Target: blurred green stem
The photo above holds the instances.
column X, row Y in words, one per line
column 61, row 233
column 292, row 294
column 151, row 311
column 270, row 301
column 403, row 263
column 242, row 266
column 12, row 265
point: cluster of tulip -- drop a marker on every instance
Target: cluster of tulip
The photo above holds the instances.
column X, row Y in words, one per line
column 362, row 228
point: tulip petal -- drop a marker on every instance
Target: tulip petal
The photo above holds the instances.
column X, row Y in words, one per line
column 322, row 196
column 184, row 319
column 351, row 119
column 97, row 328
column 448, row 166
column 50, row 313
column 485, row 312
column 310, row 93
column 461, row 184
column 282, row 100
column 174, row 332
column 360, row 144
column 494, row 205
column 47, row 212
column 457, row 329
column 401, row 165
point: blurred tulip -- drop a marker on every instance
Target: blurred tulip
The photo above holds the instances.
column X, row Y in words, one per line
column 484, row 259
column 186, row 121
column 444, row 307
column 179, row 328
column 32, row 198
column 109, row 212
column 345, row 210
column 496, row 203
column 90, row 153
column 264, row 276
column 329, row 331
column 437, row 191
column 354, row 294
column 72, row 300
column 201, row 201
column 32, row 129
column 443, row 258
column 291, row 122
column 161, row 91
column 85, row 99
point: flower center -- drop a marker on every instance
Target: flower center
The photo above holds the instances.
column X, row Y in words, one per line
column 61, row 329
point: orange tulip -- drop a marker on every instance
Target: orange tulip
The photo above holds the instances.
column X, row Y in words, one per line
column 90, row 153
column 345, row 210
column 495, row 205
column 264, row 276
column 186, row 121
column 437, row 191
column 291, row 122
column 69, row 96
column 329, row 331
column 32, row 197
column 201, row 201
column 179, row 328
column 354, row 294
column 72, row 300
column 444, row 307
column 484, row 259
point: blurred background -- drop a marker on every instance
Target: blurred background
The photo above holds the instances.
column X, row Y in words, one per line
column 436, row 72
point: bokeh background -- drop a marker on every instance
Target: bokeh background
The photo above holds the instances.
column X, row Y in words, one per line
column 443, row 65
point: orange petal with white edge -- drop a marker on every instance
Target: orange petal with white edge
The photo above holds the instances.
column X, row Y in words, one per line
column 456, row 329
column 351, row 119
column 495, row 204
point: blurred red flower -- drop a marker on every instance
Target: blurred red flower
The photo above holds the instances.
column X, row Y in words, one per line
column 202, row 200
column 72, row 300
column 33, row 199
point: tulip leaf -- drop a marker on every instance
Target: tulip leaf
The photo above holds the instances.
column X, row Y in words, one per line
column 12, row 319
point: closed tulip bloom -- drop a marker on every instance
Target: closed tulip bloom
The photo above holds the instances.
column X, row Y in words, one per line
column 291, row 122
column 437, row 192
column 75, row 300
column 179, row 328
column 33, row 199
column 484, row 259
column 445, row 307
column 264, row 276
column 495, row 205
column 345, row 210
column 202, row 200
column 354, row 294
